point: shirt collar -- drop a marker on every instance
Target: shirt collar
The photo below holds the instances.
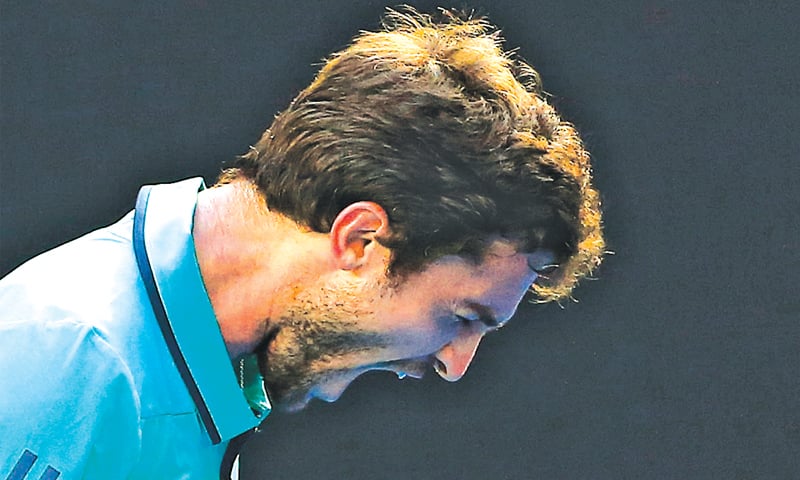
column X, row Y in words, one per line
column 235, row 404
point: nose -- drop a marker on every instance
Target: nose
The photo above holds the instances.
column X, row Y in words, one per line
column 454, row 358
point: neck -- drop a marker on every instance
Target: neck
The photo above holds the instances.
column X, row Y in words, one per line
column 252, row 261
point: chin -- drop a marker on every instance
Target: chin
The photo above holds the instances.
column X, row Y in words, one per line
column 290, row 406
column 327, row 388
column 329, row 393
column 287, row 400
column 294, row 405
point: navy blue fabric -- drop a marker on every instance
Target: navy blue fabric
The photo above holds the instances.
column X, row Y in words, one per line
column 23, row 466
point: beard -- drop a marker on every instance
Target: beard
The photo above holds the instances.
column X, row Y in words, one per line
column 315, row 338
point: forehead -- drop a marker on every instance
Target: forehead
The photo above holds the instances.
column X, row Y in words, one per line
column 496, row 284
column 536, row 260
column 501, row 258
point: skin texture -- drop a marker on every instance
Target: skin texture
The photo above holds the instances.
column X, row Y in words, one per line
column 340, row 329
column 320, row 308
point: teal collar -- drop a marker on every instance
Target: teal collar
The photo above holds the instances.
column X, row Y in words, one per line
column 231, row 400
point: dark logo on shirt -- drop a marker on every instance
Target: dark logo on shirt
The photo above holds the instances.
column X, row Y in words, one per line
column 24, row 465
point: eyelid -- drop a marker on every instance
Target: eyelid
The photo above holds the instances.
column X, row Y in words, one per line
column 483, row 317
column 489, row 321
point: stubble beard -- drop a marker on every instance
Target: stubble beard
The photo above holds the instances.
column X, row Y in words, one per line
column 320, row 327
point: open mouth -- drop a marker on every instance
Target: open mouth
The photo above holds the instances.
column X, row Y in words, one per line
column 409, row 368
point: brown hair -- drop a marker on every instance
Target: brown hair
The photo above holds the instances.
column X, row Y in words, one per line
column 449, row 134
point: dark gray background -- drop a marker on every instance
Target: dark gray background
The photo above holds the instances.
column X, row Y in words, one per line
column 681, row 361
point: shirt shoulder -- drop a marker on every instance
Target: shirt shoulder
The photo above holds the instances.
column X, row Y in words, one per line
column 74, row 408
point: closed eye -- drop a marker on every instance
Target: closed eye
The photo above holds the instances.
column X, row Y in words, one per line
column 488, row 320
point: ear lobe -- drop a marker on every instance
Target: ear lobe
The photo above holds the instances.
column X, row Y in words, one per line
column 353, row 233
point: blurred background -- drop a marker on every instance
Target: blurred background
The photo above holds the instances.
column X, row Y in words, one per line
column 680, row 361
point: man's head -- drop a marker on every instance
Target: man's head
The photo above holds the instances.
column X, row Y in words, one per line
column 450, row 153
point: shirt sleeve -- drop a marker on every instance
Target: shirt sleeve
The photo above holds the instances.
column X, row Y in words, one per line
column 68, row 404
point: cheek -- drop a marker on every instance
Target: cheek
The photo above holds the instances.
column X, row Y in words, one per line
column 420, row 332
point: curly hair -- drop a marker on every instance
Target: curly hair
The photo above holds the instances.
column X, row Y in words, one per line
column 430, row 119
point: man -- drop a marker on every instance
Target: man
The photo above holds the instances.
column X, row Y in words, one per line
column 398, row 211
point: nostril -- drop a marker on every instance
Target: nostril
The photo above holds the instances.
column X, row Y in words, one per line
column 440, row 367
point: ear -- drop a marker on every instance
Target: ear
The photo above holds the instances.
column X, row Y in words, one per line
column 353, row 235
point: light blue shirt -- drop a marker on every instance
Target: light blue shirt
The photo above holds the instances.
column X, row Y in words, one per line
column 88, row 387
